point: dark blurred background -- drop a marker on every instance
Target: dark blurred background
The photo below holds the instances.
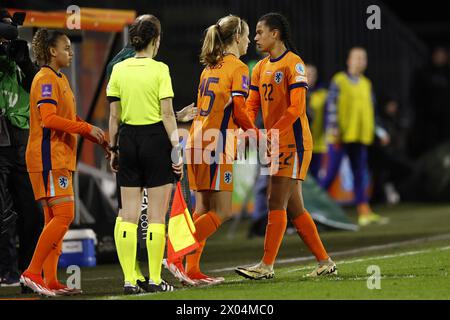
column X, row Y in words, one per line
column 324, row 30
column 408, row 59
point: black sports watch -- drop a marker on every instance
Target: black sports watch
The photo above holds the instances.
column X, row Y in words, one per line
column 114, row 149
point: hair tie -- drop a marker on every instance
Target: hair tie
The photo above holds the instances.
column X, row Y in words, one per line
column 218, row 28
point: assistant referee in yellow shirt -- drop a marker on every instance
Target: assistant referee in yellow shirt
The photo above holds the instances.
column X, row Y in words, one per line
column 140, row 94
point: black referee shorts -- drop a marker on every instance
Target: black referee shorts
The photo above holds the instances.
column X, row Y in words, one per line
column 144, row 156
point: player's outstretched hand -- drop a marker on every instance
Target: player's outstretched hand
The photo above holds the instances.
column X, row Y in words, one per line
column 97, row 134
column 187, row 114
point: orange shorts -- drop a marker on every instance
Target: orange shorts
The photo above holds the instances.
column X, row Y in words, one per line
column 292, row 165
column 54, row 183
column 215, row 176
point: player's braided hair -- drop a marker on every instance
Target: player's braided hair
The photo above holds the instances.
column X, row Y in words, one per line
column 42, row 41
column 144, row 30
column 218, row 37
column 278, row 21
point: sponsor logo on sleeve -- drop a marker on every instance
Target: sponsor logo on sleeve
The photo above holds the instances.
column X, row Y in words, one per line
column 46, row 90
column 245, row 82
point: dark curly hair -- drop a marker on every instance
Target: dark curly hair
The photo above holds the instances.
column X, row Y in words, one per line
column 42, row 41
column 143, row 30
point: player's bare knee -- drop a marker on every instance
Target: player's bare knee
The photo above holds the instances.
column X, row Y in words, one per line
column 294, row 214
column 201, row 209
column 276, row 203
column 224, row 215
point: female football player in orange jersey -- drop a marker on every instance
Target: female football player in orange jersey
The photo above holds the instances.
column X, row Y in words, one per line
column 224, row 84
column 51, row 156
column 278, row 87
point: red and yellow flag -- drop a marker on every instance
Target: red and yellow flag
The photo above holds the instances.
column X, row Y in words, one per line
column 181, row 228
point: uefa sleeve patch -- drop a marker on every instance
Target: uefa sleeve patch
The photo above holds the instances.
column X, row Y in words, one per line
column 245, row 82
column 300, row 68
column 46, row 90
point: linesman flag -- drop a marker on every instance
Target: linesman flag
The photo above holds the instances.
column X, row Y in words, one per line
column 181, row 229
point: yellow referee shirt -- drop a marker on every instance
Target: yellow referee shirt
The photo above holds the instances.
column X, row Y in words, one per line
column 140, row 84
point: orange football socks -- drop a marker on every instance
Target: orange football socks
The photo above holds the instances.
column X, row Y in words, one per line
column 50, row 266
column 205, row 226
column 307, row 230
column 51, row 236
column 276, row 226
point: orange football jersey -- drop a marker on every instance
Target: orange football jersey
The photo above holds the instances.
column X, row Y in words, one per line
column 51, row 149
column 274, row 80
column 218, row 85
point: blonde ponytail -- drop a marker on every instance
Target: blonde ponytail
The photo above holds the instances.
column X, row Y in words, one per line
column 218, row 37
column 212, row 49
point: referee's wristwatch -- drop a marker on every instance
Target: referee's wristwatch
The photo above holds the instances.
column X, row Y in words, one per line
column 114, row 149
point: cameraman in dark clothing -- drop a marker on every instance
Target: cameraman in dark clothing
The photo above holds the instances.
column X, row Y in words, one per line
column 431, row 102
column 19, row 214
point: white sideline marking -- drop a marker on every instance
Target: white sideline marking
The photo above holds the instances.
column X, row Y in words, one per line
column 356, row 251
column 100, row 278
column 388, row 256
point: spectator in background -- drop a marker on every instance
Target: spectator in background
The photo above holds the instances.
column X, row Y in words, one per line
column 389, row 163
column 431, row 103
column 16, row 195
column 351, row 128
column 315, row 103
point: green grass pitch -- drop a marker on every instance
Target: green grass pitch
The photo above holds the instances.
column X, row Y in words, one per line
column 412, row 254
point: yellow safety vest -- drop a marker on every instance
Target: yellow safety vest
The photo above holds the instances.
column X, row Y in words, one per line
column 317, row 101
column 355, row 109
